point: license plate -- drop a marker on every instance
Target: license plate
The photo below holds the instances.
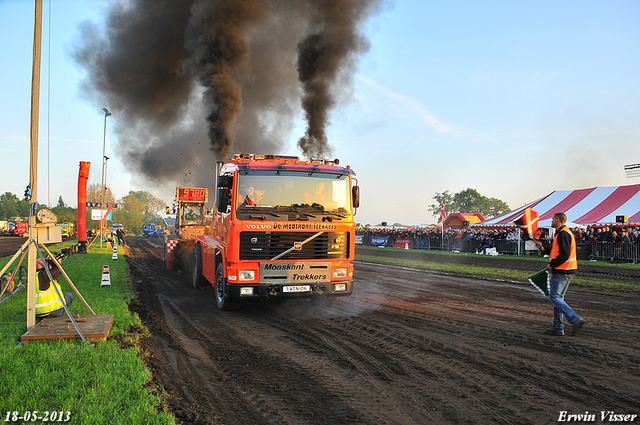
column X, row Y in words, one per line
column 301, row 288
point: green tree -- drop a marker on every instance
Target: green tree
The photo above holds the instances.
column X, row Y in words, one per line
column 468, row 201
column 94, row 194
column 440, row 198
column 131, row 220
column 65, row 214
column 497, row 207
column 134, row 202
column 11, row 207
column 138, row 207
column 152, row 204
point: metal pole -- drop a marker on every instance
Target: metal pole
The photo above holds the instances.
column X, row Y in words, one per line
column 215, row 185
column 33, row 181
column 106, row 168
column 104, row 147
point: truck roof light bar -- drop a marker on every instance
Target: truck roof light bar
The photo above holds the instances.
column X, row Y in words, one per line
column 325, row 161
column 254, row 157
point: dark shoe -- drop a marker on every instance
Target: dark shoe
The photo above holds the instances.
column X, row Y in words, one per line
column 554, row 332
column 576, row 327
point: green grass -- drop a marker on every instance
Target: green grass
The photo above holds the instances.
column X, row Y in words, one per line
column 440, row 261
column 105, row 383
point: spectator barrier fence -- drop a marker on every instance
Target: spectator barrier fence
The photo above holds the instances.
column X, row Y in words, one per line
column 598, row 251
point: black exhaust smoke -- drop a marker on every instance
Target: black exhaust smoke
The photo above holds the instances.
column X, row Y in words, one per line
column 328, row 51
column 187, row 77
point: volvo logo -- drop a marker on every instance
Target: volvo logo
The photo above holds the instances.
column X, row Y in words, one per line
column 338, row 240
column 254, row 240
column 258, row 226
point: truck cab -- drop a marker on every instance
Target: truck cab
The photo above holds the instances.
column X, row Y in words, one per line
column 281, row 228
column 148, row 229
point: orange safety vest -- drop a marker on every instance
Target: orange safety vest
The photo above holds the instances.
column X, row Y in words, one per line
column 572, row 261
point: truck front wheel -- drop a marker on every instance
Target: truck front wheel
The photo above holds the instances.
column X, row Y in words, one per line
column 223, row 301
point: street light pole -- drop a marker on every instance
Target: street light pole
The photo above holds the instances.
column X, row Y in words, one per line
column 104, row 146
column 106, row 169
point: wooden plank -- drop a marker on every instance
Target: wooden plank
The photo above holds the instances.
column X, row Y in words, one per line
column 95, row 328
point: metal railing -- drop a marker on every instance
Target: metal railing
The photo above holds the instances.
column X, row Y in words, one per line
column 614, row 252
column 603, row 251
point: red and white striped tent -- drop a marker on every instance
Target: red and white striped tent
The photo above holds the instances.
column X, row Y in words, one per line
column 593, row 206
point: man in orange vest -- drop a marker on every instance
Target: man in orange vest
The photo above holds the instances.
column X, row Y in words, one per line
column 563, row 264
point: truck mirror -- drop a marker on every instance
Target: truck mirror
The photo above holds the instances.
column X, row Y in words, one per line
column 225, row 181
column 223, row 199
column 355, row 193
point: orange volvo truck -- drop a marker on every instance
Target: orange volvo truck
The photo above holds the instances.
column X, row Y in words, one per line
column 281, row 228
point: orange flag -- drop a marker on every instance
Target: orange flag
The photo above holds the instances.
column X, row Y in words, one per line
column 528, row 222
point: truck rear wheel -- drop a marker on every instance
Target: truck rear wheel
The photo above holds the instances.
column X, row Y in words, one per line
column 197, row 279
column 223, row 301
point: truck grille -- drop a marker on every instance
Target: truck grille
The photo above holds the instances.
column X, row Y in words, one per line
column 259, row 246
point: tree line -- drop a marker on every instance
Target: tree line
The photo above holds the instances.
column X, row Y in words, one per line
column 137, row 208
column 468, row 201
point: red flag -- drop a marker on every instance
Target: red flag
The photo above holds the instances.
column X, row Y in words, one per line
column 443, row 214
column 528, row 222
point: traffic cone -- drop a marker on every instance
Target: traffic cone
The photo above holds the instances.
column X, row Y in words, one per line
column 106, row 276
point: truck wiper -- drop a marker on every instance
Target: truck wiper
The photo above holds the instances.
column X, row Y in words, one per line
column 297, row 211
column 333, row 214
column 260, row 210
column 263, row 217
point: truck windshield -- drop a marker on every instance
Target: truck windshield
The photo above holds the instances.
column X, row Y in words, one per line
column 279, row 194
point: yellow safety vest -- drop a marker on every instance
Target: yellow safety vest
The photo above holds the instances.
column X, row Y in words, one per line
column 572, row 261
column 48, row 301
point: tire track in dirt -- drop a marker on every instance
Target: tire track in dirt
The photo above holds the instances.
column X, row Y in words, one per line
column 409, row 346
column 455, row 350
column 352, row 369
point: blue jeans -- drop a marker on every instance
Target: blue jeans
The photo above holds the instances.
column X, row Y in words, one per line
column 558, row 285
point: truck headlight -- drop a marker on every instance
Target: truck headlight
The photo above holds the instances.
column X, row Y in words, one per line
column 247, row 274
column 340, row 272
column 248, row 291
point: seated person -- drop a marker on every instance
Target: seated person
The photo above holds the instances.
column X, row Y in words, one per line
column 250, row 196
column 48, row 302
column 318, row 196
column 191, row 215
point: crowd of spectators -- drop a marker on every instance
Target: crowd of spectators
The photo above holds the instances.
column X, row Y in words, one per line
column 479, row 239
column 435, row 238
column 608, row 234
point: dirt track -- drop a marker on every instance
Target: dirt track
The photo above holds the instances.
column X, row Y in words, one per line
column 9, row 245
column 408, row 347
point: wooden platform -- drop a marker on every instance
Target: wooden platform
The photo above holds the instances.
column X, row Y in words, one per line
column 95, row 328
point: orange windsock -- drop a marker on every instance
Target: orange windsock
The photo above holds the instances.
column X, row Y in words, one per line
column 528, row 222
column 83, row 176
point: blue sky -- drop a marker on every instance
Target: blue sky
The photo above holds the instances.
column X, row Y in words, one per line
column 513, row 99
